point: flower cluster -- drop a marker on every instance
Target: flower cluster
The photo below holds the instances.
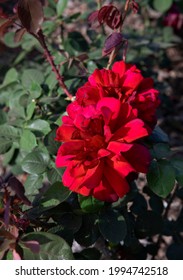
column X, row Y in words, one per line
column 103, row 132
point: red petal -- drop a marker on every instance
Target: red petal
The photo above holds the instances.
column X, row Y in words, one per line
column 105, row 192
column 64, row 133
column 117, row 182
column 73, row 175
column 104, row 78
column 71, row 148
column 67, row 120
column 146, row 84
column 73, row 109
column 118, row 147
column 121, row 165
column 132, row 80
column 131, row 131
column 109, row 107
column 87, row 95
column 62, row 161
column 125, row 115
column 139, row 157
column 103, row 153
column 120, row 68
column 81, row 122
column 93, row 176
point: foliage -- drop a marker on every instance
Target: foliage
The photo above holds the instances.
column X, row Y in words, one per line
column 39, row 217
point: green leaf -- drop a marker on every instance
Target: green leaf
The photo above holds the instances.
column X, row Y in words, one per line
column 161, row 177
column 10, row 77
column 168, row 34
column 90, row 204
column 91, row 66
column 69, row 220
column 49, row 12
column 65, row 233
column 16, row 110
column 30, row 109
column 51, row 81
column 35, row 90
column 178, row 166
column 9, row 255
column 112, row 226
column 10, row 41
column 61, row 5
column 24, row 100
column 20, row 57
column 161, row 150
column 56, row 194
column 49, row 26
column 55, row 174
column 35, row 163
column 30, row 77
column 163, row 5
column 7, row 157
column 52, row 247
column 77, row 41
column 3, row 117
column 39, row 125
column 88, row 232
column 28, row 42
column 27, row 140
column 130, row 196
column 158, row 135
column 8, row 135
column 50, row 142
column 33, row 184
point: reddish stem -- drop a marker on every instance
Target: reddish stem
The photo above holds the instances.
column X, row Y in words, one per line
column 60, row 79
column 125, row 11
column 114, row 52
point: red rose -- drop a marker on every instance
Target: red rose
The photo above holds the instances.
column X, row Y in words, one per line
column 126, row 83
column 100, row 149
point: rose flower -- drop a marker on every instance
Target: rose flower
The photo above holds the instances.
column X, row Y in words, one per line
column 126, row 83
column 102, row 149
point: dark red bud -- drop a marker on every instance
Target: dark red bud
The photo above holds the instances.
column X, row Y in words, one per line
column 113, row 41
column 30, row 13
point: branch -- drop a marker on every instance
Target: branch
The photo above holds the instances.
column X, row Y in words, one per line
column 111, row 58
column 125, row 11
column 40, row 37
